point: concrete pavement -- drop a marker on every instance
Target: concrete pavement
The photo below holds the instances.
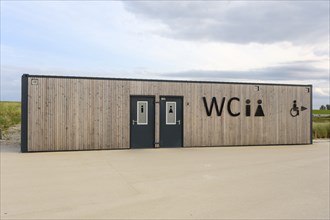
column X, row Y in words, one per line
column 264, row 182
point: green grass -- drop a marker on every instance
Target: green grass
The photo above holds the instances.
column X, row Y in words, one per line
column 321, row 130
column 321, row 126
column 321, row 112
column 10, row 114
column 321, row 119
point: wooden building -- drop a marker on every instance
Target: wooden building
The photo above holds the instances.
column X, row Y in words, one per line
column 62, row 113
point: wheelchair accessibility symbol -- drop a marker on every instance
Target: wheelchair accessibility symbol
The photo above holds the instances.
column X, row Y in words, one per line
column 294, row 111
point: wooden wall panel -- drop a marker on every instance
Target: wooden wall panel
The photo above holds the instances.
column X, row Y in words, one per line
column 84, row 114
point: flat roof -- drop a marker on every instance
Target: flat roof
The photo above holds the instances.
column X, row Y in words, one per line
column 163, row 80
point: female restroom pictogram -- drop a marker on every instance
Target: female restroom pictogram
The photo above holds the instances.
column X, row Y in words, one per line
column 259, row 111
column 171, row 110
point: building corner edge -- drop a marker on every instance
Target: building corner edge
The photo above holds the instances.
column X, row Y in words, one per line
column 311, row 114
column 24, row 114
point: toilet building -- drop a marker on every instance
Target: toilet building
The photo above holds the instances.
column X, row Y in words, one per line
column 62, row 113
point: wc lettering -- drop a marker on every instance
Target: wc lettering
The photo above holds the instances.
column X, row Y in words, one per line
column 219, row 107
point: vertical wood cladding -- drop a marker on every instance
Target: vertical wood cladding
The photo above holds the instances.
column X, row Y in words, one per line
column 83, row 114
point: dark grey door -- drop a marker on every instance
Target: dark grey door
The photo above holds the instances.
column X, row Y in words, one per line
column 142, row 121
column 171, row 121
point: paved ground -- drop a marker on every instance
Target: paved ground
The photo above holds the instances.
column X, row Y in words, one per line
column 273, row 182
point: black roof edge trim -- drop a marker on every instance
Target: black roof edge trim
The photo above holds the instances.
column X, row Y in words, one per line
column 162, row 80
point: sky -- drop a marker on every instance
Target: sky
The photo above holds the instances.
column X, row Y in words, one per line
column 229, row 41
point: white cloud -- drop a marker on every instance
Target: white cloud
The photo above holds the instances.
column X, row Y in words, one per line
column 323, row 92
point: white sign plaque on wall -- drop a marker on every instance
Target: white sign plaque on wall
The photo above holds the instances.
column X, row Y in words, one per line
column 170, row 113
column 142, row 112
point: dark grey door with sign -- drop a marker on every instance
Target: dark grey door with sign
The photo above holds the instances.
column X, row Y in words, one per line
column 142, row 121
column 171, row 121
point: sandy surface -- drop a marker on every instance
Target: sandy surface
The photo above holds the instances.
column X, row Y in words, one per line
column 12, row 137
column 273, row 182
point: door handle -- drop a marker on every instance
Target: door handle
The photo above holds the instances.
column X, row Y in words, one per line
column 179, row 121
column 134, row 122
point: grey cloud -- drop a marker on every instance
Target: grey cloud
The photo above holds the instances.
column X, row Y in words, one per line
column 285, row 72
column 239, row 22
column 293, row 72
